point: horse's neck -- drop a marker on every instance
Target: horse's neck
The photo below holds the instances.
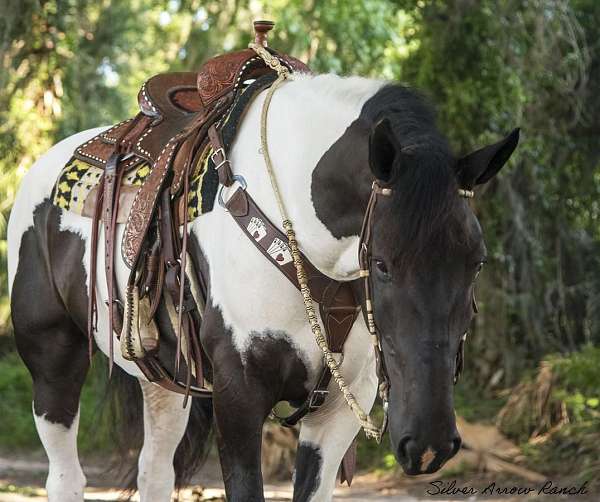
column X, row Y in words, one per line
column 306, row 118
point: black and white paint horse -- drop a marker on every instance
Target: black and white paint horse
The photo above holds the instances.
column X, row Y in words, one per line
column 329, row 137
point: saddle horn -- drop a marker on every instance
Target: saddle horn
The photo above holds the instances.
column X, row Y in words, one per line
column 261, row 28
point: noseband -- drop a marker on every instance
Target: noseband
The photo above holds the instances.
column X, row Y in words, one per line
column 364, row 260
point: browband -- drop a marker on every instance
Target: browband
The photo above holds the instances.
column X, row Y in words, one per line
column 462, row 192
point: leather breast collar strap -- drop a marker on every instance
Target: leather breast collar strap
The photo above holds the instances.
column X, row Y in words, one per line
column 337, row 304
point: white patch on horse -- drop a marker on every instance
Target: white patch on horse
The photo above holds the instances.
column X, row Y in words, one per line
column 39, row 181
column 316, row 430
column 426, row 459
column 82, row 226
column 66, row 481
column 164, row 425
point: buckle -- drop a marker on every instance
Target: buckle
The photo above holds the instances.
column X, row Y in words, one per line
column 219, row 151
column 242, row 184
column 120, row 303
column 173, row 263
column 317, row 399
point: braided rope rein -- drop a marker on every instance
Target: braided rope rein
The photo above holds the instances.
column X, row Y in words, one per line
column 371, row 430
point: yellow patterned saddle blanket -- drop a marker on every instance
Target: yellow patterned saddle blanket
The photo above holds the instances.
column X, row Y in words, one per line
column 76, row 188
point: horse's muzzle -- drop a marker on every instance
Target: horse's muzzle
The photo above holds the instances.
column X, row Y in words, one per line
column 418, row 458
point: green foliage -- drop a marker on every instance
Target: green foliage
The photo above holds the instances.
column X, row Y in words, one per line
column 475, row 405
column 26, row 491
column 571, row 451
column 492, row 66
column 18, row 430
column 578, row 376
column 555, row 415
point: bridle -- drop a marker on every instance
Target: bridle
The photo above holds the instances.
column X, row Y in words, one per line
column 366, row 422
column 364, row 261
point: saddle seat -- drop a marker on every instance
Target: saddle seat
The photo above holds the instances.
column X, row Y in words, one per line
column 170, row 102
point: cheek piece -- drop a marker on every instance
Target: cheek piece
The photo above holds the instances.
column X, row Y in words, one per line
column 364, row 260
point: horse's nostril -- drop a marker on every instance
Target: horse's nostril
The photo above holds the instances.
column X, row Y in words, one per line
column 402, row 450
column 456, row 443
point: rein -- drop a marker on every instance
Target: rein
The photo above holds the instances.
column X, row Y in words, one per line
column 372, row 431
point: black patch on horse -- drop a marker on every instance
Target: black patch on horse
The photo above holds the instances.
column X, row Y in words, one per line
column 308, row 472
column 425, row 186
column 49, row 338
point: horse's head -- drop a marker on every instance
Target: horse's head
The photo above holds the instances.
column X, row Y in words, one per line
column 427, row 249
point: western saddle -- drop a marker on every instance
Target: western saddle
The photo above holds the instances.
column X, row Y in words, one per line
column 188, row 119
column 181, row 118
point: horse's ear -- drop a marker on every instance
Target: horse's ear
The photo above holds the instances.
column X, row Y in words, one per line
column 483, row 164
column 383, row 149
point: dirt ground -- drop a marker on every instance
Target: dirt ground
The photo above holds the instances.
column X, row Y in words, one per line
column 22, row 480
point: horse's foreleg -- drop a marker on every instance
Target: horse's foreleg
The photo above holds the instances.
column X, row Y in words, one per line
column 165, row 421
column 240, row 406
column 324, row 439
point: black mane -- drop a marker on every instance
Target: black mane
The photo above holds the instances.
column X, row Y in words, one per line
column 425, row 189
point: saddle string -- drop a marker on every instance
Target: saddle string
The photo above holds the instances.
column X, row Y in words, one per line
column 112, row 292
column 193, row 351
column 111, row 188
column 371, row 430
column 92, row 319
column 92, row 306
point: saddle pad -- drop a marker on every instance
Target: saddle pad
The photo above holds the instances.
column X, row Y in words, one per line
column 77, row 187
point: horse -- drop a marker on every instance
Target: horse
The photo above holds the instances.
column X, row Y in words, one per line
column 330, row 138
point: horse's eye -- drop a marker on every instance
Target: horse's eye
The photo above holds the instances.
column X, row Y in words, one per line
column 478, row 269
column 382, row 269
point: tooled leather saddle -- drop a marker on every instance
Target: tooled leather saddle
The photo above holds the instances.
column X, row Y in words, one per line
column 185, row 122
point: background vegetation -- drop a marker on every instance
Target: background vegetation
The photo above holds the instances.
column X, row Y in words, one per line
column 489, row 66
